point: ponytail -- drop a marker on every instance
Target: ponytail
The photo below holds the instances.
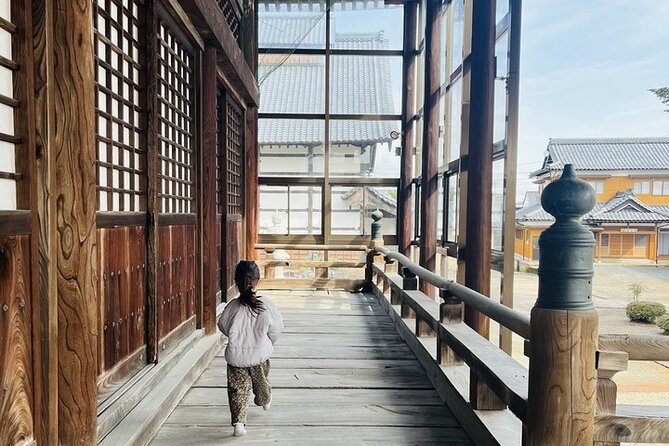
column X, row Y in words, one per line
column 246, row 273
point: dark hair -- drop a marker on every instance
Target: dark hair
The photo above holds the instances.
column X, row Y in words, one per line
column 246, row 273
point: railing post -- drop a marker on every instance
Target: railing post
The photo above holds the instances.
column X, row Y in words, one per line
column 563, row 336
column 377, row 241
column 450, row 312
column 608, row 364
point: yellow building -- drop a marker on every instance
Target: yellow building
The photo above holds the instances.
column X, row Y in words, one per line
column 631, row 182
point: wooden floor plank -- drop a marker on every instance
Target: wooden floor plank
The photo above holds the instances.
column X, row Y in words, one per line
column 175, row 435
column 217, row 396
column 340, row 375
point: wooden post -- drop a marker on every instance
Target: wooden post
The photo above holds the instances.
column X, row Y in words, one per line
column 429, row 179
column 251, row 182
column 404, row 230
column 209, row 211
column 479, row 180
column 608, row 364
column 451, row 312
column 73, row 146
column 45, row 307
column 152, row 172
column 563, row 337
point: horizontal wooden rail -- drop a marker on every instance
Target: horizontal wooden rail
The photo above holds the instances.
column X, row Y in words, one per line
column 14, row 222
column 309, row 264
column 505, row 376
column 631, row 429
column 637, row 347
column 512, row 319
column 271, row 247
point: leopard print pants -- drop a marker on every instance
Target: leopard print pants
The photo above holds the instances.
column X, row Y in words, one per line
column 240, row 382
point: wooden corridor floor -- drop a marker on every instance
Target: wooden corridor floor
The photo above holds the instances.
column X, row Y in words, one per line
column 340, row 376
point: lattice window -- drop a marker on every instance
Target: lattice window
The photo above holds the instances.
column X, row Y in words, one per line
column 220, row 147
column 233, row 143
column 176, row 112
column 9, row 34
column 118, row 64
column 232, row 13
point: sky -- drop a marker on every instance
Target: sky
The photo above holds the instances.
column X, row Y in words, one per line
column 586, row 67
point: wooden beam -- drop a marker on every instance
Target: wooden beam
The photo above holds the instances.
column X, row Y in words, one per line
column 479, row 178
column 212, row 26
column 405, row 202
column 152, row 172
column 429, row 179
column 251, row 182
column 45, row 307
column 638, row 347
column 209, row 211
column 73, row 145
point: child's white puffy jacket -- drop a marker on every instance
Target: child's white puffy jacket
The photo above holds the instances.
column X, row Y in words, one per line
column 250, row 337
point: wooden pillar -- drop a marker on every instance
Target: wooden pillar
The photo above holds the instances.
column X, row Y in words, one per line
column 45, row 307
column 152, row 184
column 479, row 178
column 511, row 167
column 251, row 181
column 429, row 183
column 563, row 337
column 209, row 206
column 73, row 146
column 404, row 230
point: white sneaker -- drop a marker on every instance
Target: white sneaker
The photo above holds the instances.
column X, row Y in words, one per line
column 240, row 431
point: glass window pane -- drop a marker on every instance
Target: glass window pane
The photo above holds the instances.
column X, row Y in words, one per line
column 361, row 148
column 457, row 8
column 292, row 83
column 502, row 9
column 355, row 23
column 304, row 215
column 291, row 147
column 273, row 213
column 352, row 208
column 453, row 206
column 440, row 210
column 366, row 85
column 497, row 204
column 288, row 25
column 455, row 120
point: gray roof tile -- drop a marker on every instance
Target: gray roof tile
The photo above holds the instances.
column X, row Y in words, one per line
column 607, row 154
column 624, row 207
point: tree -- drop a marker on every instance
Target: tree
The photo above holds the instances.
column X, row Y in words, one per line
column 662, row 94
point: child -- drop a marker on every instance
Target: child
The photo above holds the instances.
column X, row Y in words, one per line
column 252, row 324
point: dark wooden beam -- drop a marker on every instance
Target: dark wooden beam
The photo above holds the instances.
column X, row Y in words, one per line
column 73, row 145
column 479, row 178
column 429, row 182
column 152, row 171
column 251, row 182
column 212, row 26
column 404, row 229
column 209, row 207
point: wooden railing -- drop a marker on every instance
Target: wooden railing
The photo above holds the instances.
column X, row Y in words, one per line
column 325, row 272
column 567, row 396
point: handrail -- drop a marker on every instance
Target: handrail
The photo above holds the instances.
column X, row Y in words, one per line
column 638, row 347
column 291, row 246
column 510, row 318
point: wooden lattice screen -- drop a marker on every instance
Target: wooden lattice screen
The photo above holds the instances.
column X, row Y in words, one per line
column 232, row 13
column 119, row 105
column 233, row 144
column 12, row 81
column 176, row 116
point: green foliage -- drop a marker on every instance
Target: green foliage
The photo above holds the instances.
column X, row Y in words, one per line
column 662, row 94
column 644, row 311
column 636, row 288
column 663, row 323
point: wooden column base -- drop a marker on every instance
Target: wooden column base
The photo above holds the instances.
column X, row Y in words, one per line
column 563, row 378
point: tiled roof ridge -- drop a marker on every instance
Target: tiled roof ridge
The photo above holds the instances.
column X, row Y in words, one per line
column 596, row 140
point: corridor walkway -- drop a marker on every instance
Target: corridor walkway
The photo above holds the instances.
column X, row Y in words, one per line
column 341, row 376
